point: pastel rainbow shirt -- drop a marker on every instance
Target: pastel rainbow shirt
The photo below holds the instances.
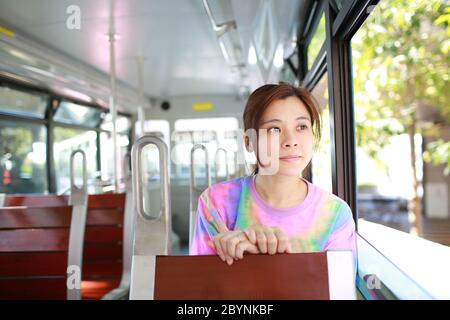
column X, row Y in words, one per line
column 321, row 222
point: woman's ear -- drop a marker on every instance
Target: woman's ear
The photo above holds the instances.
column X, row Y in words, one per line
column 248, row 144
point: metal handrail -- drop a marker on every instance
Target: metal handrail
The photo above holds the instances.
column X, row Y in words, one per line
column 152, row 236
column 126, row 168
column 222, row 28
column 122, row 291
column 146, row 225
column 226, row 163
column 194, row 191
column 136, row 164
column 78, row 200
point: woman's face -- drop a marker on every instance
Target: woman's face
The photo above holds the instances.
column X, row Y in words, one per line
column 285, row 138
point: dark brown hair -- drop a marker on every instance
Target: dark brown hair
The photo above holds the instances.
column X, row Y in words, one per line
column 262, row 97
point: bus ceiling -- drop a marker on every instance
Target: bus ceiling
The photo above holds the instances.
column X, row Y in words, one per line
column 177, row 45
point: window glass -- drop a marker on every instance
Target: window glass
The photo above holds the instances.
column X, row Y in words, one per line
column 378, row 278
column 107, row 156
column 123, row 124
column 321, row 161
column 213, row 133
column 22, row 103
column 401, row 72
column 317, row 41
column 155, row 127
column 23, row 158
column 72, row 113
column 67, row 140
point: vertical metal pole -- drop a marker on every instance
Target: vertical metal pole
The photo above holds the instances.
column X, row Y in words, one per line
column 78, row 200
column 112, row 97
column 194, row 191
column 141, row 111
column 50, row 141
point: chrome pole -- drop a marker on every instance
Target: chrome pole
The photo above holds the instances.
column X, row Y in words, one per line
column 216, row 156
column 112, row 97
column 78, row 200
column 194, row 191
column 153, row 234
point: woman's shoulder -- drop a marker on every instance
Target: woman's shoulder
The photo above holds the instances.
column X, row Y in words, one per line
column 226, row 188
column 330, row 199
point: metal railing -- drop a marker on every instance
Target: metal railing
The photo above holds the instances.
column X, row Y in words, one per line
column 122, row 291
column 195, row 191
column 216, row 156
column 152, row 235
column 78, row 200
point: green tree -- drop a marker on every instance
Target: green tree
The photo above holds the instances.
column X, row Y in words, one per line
column 401, row 63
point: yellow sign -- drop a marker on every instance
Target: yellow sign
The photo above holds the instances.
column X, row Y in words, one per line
column 7, row 32
column 202, row 106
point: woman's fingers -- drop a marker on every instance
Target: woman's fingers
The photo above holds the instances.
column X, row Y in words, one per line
column 272, row 241
column 245, row 246
column 231, row 240
column 261, row 240
column 269, row 240
column 218, row 246
column 231, row 245
column 283, row 241
column 225, row 244
column 251, row 235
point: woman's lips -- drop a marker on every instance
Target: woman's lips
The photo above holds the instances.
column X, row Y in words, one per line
column 290, row 158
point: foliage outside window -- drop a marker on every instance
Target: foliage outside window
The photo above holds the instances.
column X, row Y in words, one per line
column 317, row 41
column 21, row 103
column 401, row 72
column 23, row 158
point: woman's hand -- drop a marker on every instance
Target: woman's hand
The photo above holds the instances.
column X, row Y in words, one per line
column 269, row 240
column 231, row 245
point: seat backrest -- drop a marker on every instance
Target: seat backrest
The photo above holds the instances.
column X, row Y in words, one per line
column 34, row 244
column 103, row 244
column 33, row 252
column 50, row 200
column 311, row 276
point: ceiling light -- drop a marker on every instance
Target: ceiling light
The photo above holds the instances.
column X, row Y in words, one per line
column 252, row 59
column 278, row 60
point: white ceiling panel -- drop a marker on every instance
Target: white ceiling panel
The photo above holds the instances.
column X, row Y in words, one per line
column 175, row 37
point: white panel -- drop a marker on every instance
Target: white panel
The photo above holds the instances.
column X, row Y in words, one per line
column 341, row 276
column 142, row 278
column 436, row 200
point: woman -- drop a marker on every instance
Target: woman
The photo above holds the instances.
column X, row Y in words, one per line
column 274, row 210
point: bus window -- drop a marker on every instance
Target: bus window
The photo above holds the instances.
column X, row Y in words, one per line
column 317, row 41
column 150, row 126
column 211, row 132
column 23, row 158
column 65, row 141
column 21, row 103
column 321, row 161
column 72, row 113
column 400, row 81
column 123, row 126
column 107, row 157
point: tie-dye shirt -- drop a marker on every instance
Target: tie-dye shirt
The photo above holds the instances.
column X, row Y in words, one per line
column 321, row 222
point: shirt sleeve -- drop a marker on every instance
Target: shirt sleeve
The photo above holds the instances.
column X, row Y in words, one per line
column 343, row 235
column 208, row 225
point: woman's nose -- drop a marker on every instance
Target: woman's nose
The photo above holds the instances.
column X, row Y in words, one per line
column 290, row 141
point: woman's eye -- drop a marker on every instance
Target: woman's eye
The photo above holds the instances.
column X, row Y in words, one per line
column 274, row 130
column 303, row 127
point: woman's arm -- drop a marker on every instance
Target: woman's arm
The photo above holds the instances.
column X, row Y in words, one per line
column 212, row 236
column 343, row 234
